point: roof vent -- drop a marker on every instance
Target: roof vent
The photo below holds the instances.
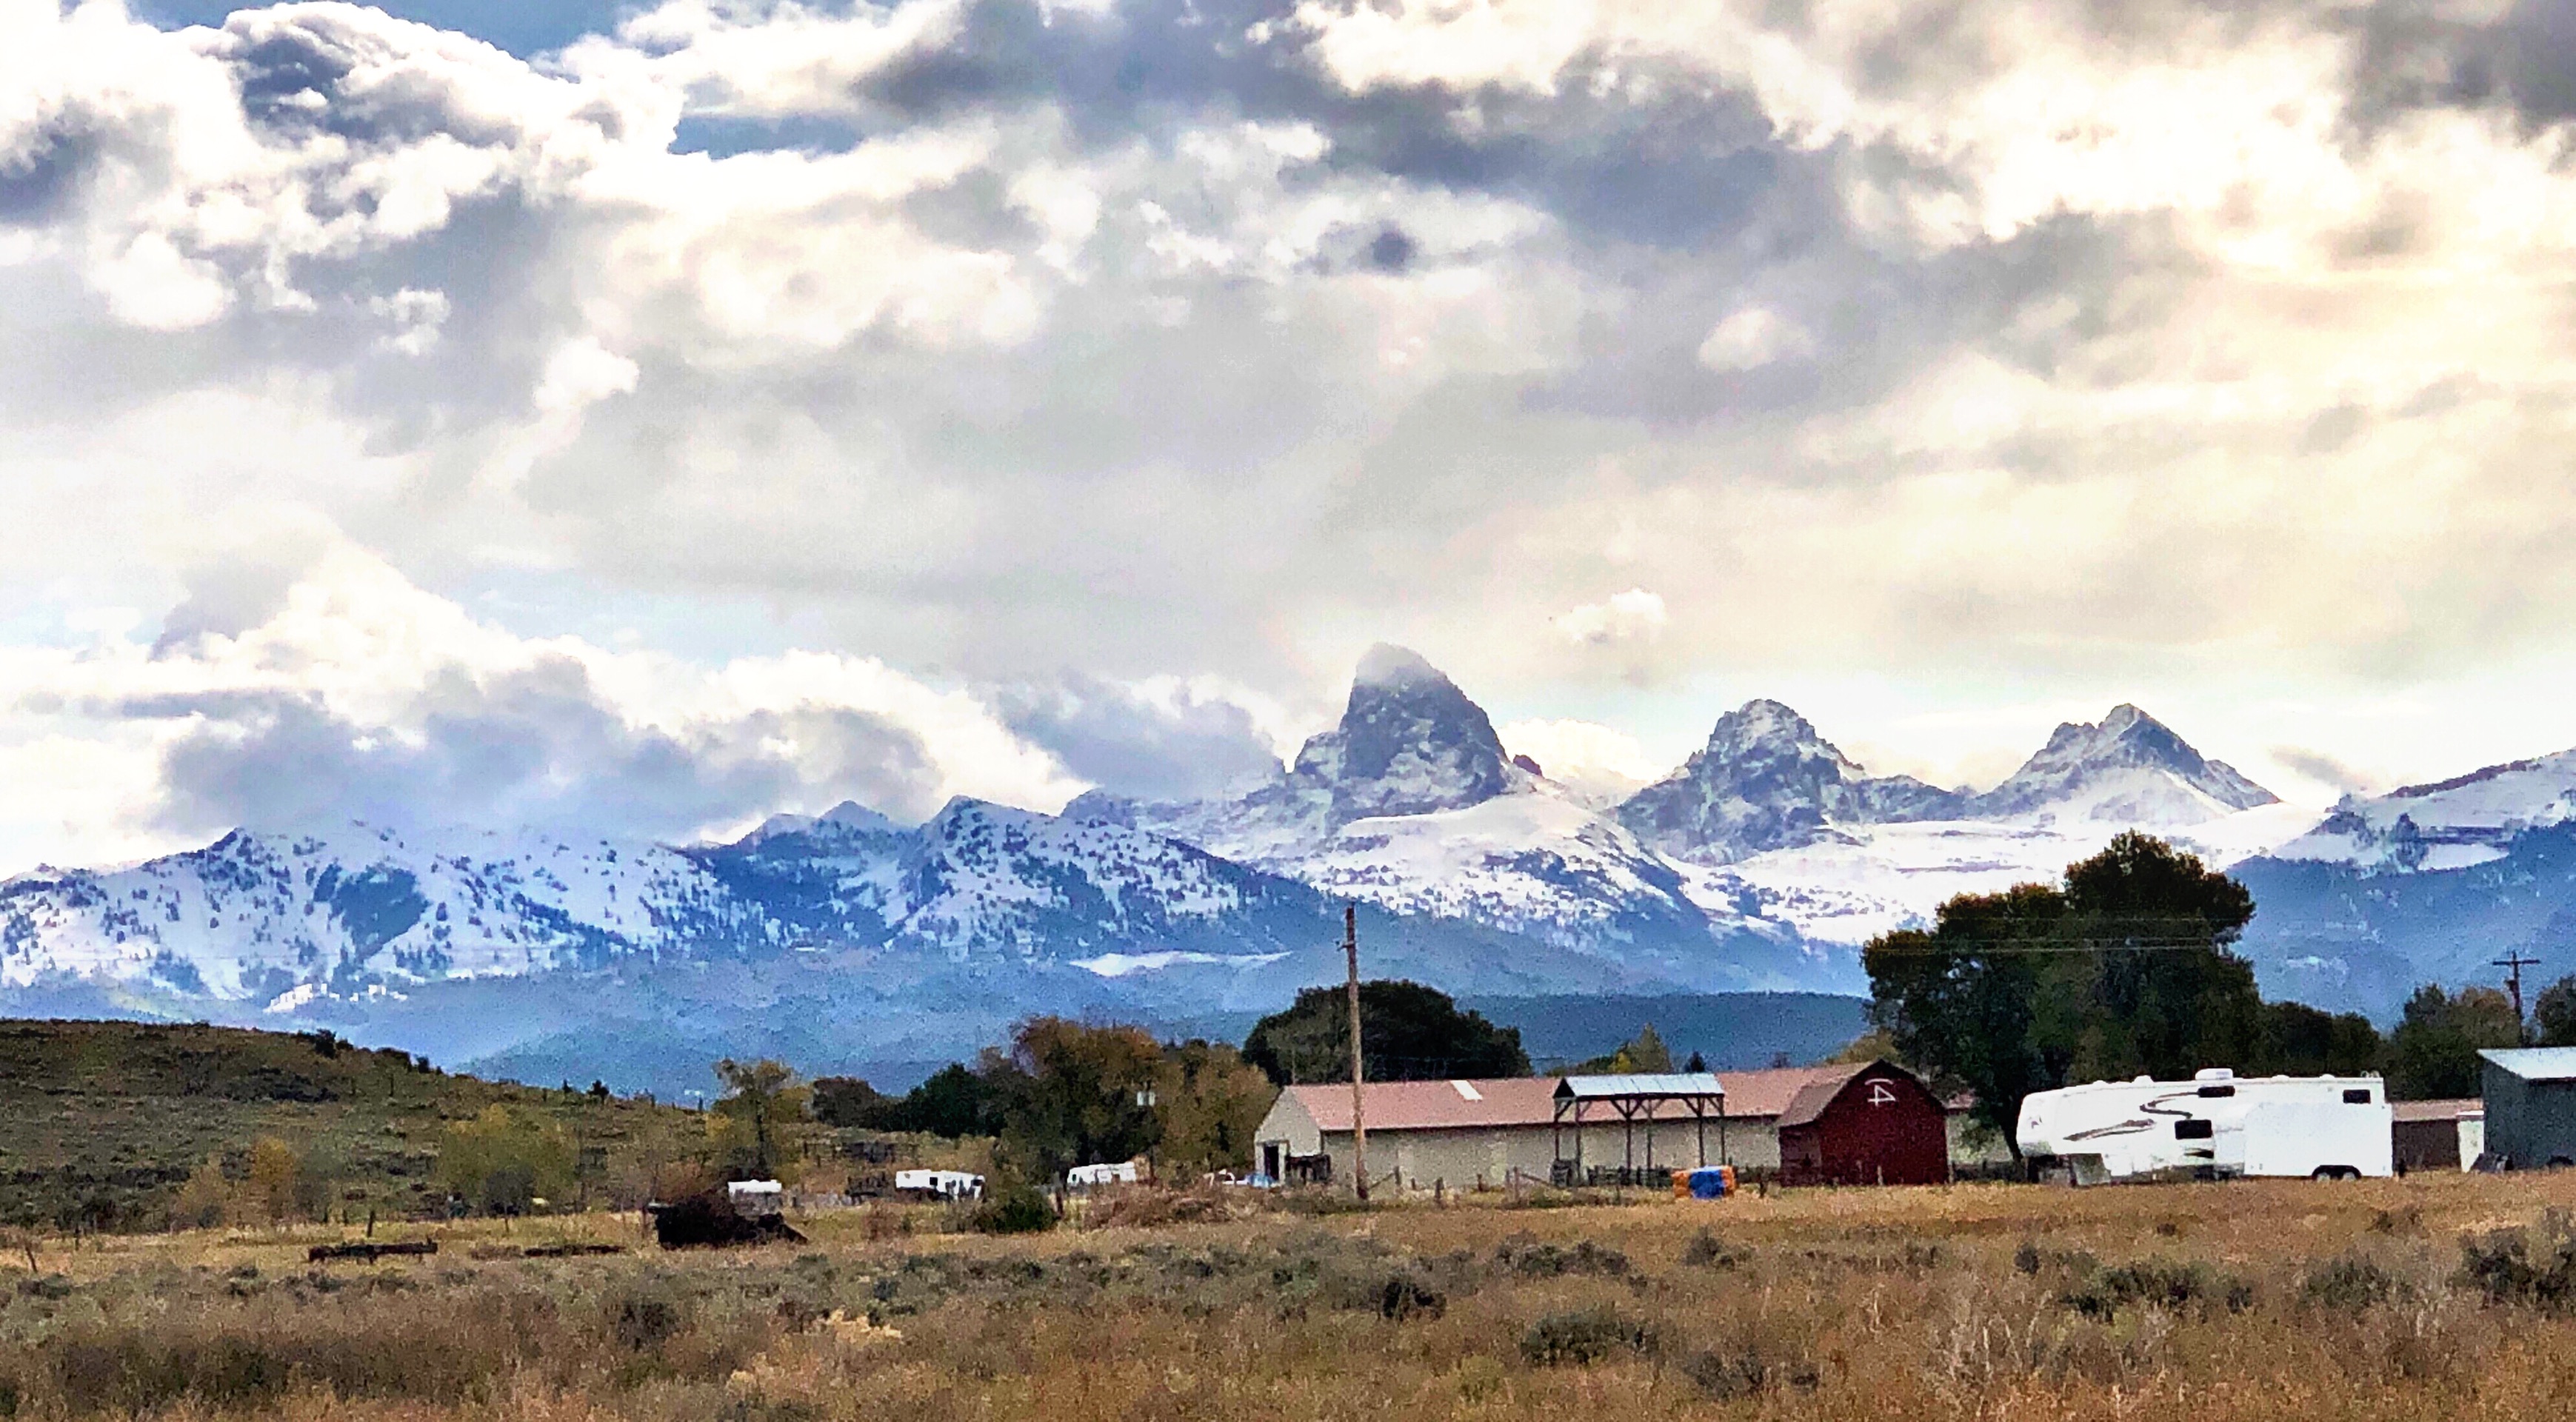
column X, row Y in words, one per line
column 1468, row 1091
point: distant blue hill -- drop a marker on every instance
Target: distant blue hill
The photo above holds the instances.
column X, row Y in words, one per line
column 1734, row 1031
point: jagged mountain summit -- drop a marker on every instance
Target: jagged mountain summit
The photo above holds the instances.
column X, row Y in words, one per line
column 1410, row 803
column 1767, row 781
column 1409, row 743
column 2129, row 769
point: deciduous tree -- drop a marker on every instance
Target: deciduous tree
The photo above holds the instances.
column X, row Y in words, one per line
column 1408, row 1032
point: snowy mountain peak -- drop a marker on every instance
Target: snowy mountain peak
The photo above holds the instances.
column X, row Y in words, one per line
column 1409, row 742
column 1389, row 666
column 2448, row 824
column 2129, row 767
column 843, row 820
column 1768, row 728
column 1766, row 781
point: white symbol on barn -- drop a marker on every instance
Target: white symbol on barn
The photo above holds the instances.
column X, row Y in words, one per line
column 1881, row 1094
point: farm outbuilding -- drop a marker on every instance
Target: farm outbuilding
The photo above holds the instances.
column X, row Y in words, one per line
column 2530, row 1106
column 2437, row 1135
column 1867, row 1123
column 1463, row 1133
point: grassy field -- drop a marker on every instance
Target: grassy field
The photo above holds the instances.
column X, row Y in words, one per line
column 105, row 1121
column 2432, row 1297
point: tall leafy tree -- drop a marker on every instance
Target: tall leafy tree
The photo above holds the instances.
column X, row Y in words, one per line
column 1408, row 1032
column 2165, row 997
column 1209, row 1103
column 1960, row 1001
column 2306, row 1041
column 2434, row 1051
column 2124, row 969
column 2553, row 1014
column 1074, row 1094
column 757, row 1115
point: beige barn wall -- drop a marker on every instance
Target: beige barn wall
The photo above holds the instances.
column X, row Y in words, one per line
column 1460, row 1157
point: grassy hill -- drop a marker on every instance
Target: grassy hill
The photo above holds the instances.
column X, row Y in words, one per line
column 107, row 1121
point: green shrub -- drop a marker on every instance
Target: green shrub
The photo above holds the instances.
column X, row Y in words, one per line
column 1581, row 1337
column 1012, row 1207
column 1526, row 1256
column 1707, row 1251
column 2349, row 1285
column 2535, row 1268
column 1726, row 1376
column 2157, row 1284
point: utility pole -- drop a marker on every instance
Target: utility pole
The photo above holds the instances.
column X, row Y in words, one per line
column 1359, row 1118
column 2513, row 963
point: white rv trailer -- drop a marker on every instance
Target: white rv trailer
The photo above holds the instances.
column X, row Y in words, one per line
column 944, row 1184
column 2217, row 1124
column 1092, row 1177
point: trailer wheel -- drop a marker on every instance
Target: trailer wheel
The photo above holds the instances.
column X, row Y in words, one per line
column 2336, row 1172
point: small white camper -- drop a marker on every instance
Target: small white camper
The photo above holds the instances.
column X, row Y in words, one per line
column 1092, row 1177
column 2217, row 1124
column 940, row 1184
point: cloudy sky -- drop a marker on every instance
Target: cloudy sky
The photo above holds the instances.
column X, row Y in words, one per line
column 651, row 416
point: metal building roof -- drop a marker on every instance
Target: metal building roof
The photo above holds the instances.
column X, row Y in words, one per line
column 2459, row 1110
column 1432, row 1105
column 1636, row 1084
column 2535, row 1063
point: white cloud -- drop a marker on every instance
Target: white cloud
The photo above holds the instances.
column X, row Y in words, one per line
column 1988, row 346
column 1632, row 616
column 359, row 684
column 1565, row 748
column 1752, row 338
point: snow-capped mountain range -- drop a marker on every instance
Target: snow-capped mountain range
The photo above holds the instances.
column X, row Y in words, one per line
column 1759, row 863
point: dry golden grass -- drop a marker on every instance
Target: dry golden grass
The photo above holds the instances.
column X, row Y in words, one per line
column 2241, row 1301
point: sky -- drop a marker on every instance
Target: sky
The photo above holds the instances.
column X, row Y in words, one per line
column 653, row 416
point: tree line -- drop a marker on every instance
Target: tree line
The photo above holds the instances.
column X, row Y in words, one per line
column 2125, row 968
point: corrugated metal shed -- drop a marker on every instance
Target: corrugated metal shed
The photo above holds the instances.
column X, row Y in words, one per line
column 2535, row 1063
column 1638, row 1084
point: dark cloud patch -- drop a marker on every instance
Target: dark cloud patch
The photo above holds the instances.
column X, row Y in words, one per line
column 2418, row 54
column 1391, row 250
column 1632, row 151
column 42, row 179
column 519, row 26
column 292, row 68
column 2326, row 770
column 230, row 596
column 1137, row 746
column 2333, row 429
column 724, row 135
column 535, row 746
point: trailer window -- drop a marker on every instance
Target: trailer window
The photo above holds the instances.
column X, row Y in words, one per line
column 2357, row 1096
column 2188, row 1130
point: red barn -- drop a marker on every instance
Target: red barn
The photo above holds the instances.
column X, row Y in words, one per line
column 1872, row 1123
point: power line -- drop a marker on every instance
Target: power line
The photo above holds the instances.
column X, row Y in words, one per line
column 2009, row 947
